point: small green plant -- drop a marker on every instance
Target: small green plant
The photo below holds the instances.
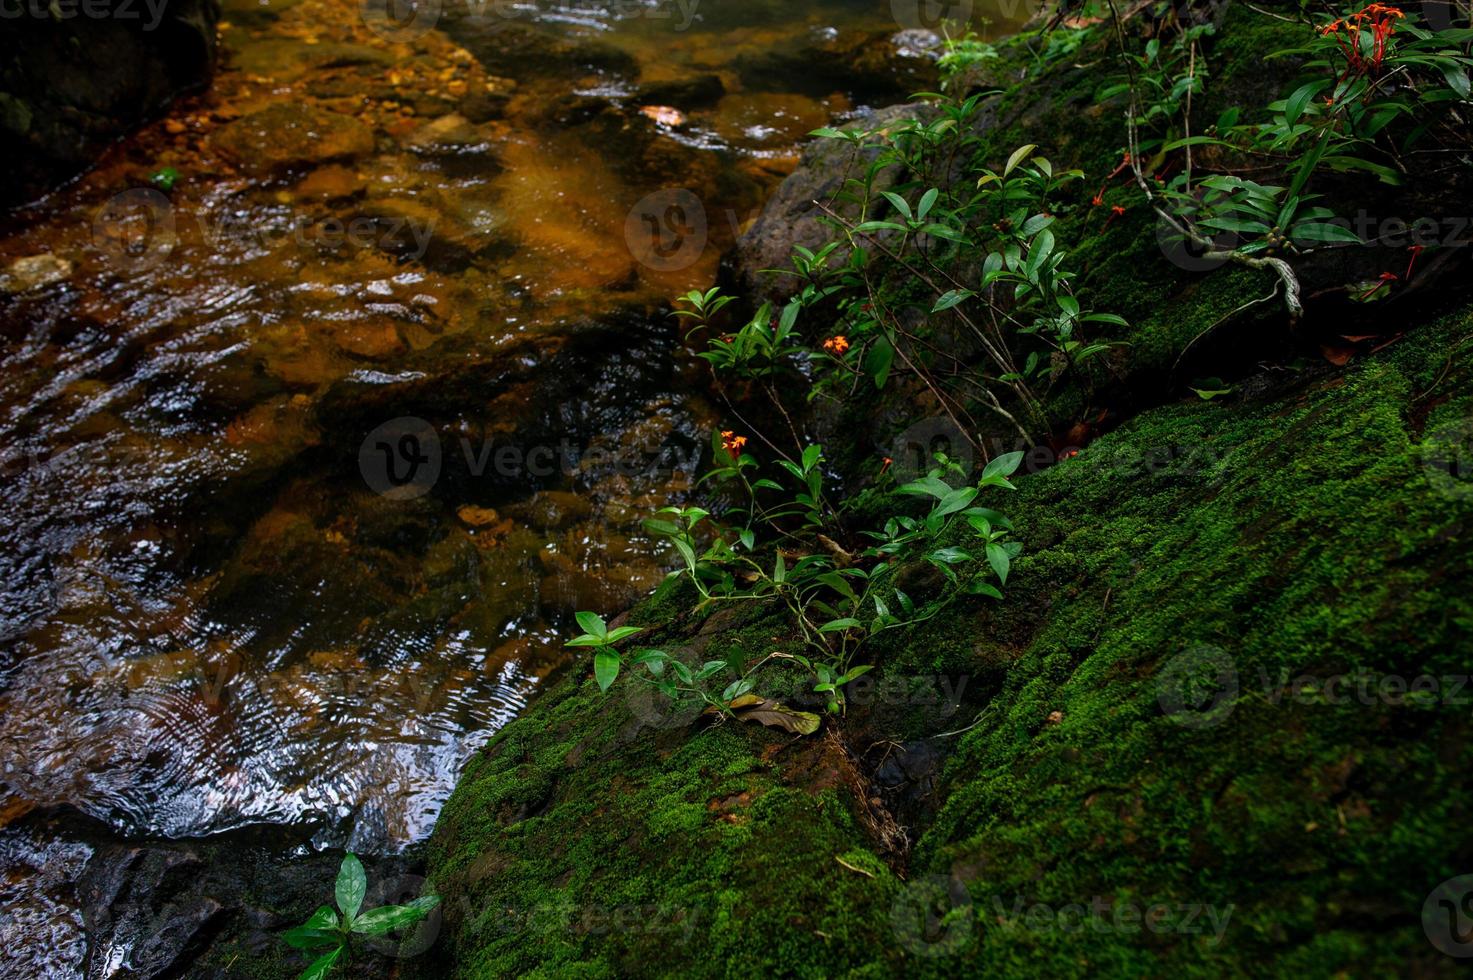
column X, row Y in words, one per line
column 165, row 179
column 596, row 634
column 328, row 933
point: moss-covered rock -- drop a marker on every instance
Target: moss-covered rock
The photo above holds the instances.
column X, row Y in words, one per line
column 1312, row 534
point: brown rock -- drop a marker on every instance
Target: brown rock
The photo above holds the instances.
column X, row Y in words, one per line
column 291, row 136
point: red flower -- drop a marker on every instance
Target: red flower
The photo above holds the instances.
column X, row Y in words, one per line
column 1416, row 250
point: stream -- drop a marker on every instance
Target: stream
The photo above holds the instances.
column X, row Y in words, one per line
column 309, row 458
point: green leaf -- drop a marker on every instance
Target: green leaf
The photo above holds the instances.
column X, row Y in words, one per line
column 1019, row 155
column 387, row 918
column 1457, row 80
column 927, row 201
column 605, row 668
column 737, row 688
column 1314, row 231
column 899, row 203
column 622, row 633
column 877, row 361
column 318, row 932
column 979, row 587
column 1000, row 562
column 1005, row 465
column 954, row 297
column 954, row 501
column 321, row 967
column 1295, row 104
column 592, row 623
column 839, row 624
column 351, row 885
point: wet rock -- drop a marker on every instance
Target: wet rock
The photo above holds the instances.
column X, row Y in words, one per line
column 479, row 107
column 448, row 134
column 880, row 68
column 792, row 216
column 700, row 92
column 415, row 228
column 368, row 340
column 69, row 86
column 208, row 908
column 290, row 136
column 255, row 13
column 331, row 183
column 34, row 272
column 553, row 509
column 288, row 60
column 520, row 52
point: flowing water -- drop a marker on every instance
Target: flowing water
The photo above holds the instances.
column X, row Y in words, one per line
column 308, row 461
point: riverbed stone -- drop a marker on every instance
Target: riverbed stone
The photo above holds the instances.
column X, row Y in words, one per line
column 34, row 272
column 290, row 136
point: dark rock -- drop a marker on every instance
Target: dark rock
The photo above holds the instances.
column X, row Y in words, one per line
column 479, row 107
column 519, row 52
column 793, row 216
column 878, row 68
column 701, row 92
column 70, row 86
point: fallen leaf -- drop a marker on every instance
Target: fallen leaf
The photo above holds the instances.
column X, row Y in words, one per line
column 773, row 714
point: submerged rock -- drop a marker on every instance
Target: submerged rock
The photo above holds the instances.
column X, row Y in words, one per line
column 34, row 272
column 290, row 136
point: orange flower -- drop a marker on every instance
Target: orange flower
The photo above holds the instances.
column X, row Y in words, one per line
column 733, row 443
column 836, row 345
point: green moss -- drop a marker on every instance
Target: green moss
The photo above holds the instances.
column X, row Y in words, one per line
column 1298, row 537
column 585, row 843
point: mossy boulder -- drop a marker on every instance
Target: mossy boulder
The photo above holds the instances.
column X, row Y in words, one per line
column 1100, row 812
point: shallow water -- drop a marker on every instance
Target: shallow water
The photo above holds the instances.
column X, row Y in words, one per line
column 306, row 467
